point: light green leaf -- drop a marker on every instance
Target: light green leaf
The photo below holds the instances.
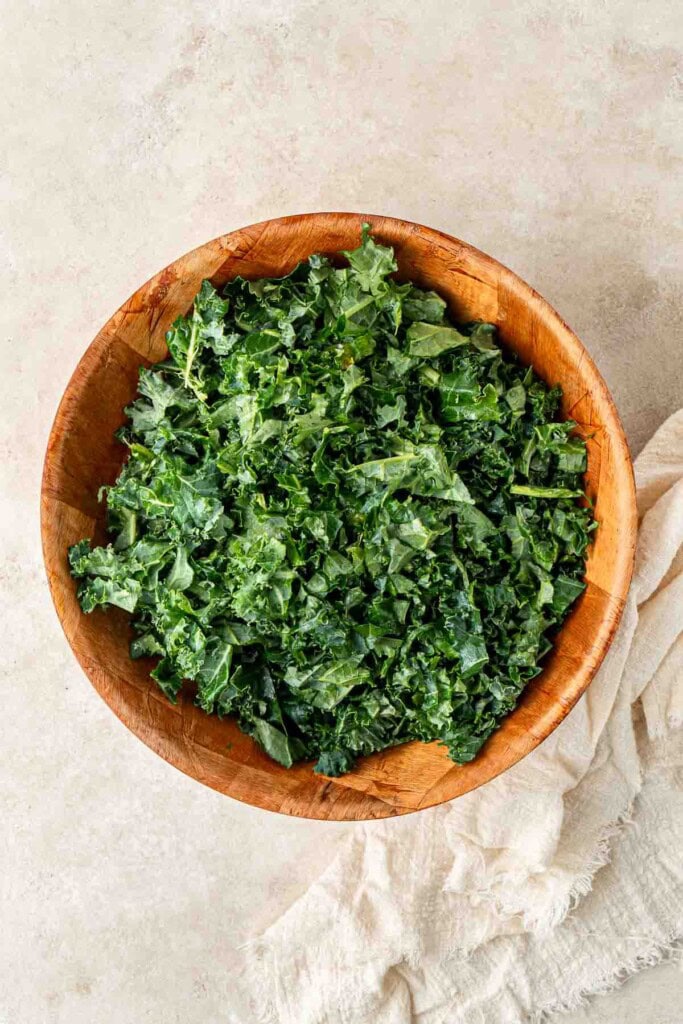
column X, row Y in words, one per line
column 426, row 341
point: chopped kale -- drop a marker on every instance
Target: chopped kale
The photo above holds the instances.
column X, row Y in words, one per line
column 348, row 522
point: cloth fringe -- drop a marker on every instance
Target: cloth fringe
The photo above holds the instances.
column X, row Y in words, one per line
column 470, row 913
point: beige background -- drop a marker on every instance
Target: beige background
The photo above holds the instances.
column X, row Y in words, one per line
column 547, row 134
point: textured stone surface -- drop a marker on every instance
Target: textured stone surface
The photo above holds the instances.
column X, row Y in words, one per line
column 549, row 136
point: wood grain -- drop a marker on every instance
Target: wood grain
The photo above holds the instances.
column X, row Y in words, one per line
column 82, row 454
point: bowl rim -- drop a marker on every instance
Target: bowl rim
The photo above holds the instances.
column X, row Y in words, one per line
column 623, row 467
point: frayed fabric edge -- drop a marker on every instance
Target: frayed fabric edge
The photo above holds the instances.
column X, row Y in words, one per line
column 258, row 955
column 257, row 952
column 540, row 922
column 665, row 950
column 258, row 958
column 583, row 883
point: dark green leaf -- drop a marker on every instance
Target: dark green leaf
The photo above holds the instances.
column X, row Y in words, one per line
column 275, row 743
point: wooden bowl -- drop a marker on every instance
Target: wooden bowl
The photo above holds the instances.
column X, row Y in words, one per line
column 82, row 454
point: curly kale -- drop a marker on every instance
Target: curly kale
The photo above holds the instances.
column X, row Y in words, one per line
column 348, row 522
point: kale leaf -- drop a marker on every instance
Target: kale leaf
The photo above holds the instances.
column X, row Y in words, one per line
column 348, row 522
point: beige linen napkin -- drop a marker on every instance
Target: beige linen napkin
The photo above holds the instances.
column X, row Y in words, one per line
column 550, row 883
